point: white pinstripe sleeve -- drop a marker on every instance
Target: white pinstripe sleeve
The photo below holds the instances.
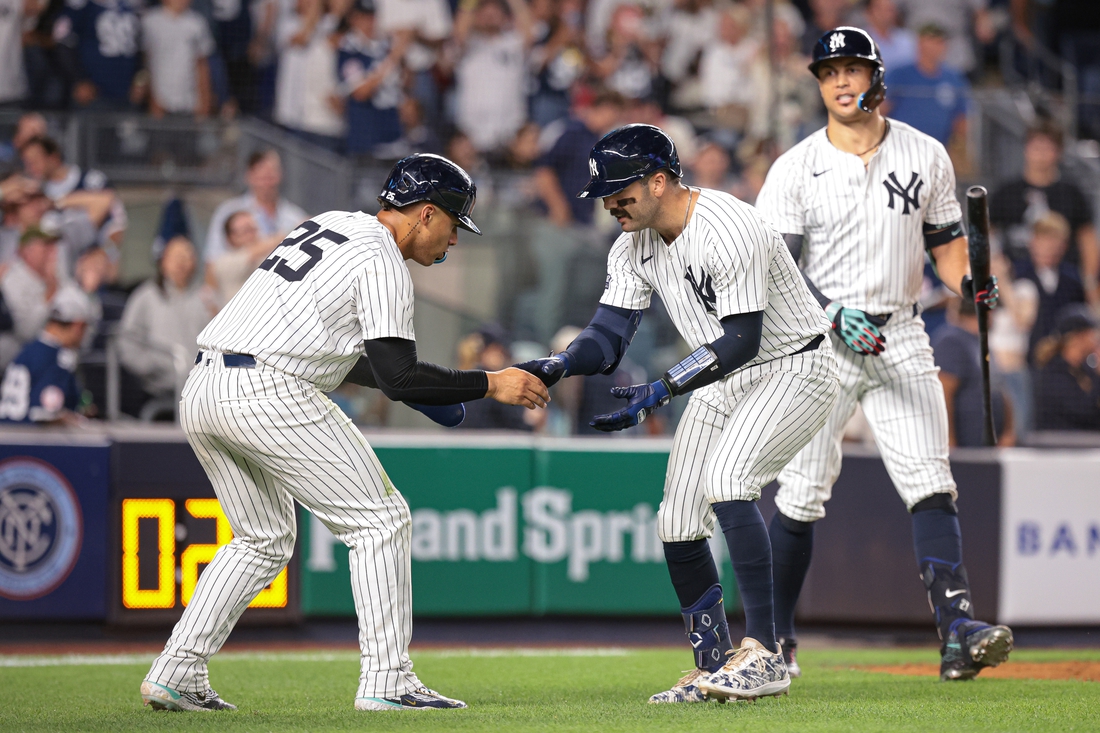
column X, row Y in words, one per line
column 780, row 198
column 624, row 288
column 384, row 299
column 740, row 268
column 944, row 208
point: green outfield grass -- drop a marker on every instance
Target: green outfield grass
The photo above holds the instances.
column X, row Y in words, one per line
column 598, row 690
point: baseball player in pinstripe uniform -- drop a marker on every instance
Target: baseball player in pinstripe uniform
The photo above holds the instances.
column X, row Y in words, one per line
column 333, row 303
column 859, row 203
column 762, row 376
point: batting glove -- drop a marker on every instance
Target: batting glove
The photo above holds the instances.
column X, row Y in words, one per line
column 644, row 399
column 989, row 296
column 858, row 330
column 549, row 369
column 449, row 416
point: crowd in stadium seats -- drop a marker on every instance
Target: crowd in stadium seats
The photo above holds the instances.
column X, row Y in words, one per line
column 525, row 86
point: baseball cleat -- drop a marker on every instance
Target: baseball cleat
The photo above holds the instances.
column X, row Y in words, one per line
column 419, row 699
column 789, row 649
column 972, row 646
column 160, row 697
column 751, row 672
column 686, row 690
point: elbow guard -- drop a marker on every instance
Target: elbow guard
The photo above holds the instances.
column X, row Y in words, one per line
column 605, row 326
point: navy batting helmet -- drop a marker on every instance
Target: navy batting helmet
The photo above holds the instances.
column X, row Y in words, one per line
column 626, row 155
column 846, row 42
column 432, row 178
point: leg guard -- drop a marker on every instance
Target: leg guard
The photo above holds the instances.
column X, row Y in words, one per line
column 708, row 631
column 948, row 593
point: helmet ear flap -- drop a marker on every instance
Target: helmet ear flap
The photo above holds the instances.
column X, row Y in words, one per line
column 874, row 96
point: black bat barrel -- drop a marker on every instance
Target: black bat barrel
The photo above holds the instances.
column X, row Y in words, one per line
column 977, row 214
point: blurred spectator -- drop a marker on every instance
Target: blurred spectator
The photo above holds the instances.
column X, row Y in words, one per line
column 423, row 26
column 1067, row 385
column 417, row 136
column 710, row 168
column 488, row 349
column 928, row 95
column 162, row 321
column 691, row 27
column 29, row 126
column 1075, row 27
column 567, row 222
column 824, row 16
column 273, row 214
column 964, row 21
column 177, row 43
column 247, row 249
column 958, row 355
column 460, row 149
column 557, row 57
column 897, row 45
column 647, row 111
column 29, row 285
column 97, row 41
column 795, row 91
column 48, row 81
column 630, row 64
column 40, row 384
column 724, row 69
column 76, row 220
column 1009, row 332
column 264, row 15
column 491, row 39
column 42, row 161
column 232, row 28
column 370, row 80
column 753, row 172
column 1055, row 280
column 13, row 85
column 307, row 73
column 1017, row 205
column 15, row 192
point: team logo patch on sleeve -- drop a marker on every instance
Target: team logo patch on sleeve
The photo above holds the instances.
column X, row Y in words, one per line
column 41, row 529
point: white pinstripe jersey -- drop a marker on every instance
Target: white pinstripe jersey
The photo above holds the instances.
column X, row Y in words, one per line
column 336, row 281
column 728, row 260
column 863, row 241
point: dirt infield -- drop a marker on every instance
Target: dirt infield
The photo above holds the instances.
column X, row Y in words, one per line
column 1087, row 671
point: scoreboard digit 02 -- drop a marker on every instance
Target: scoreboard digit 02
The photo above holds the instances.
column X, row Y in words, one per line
column 166, row 527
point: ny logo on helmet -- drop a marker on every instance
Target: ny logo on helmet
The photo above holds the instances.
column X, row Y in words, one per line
column 836, row 41
column 592, row 167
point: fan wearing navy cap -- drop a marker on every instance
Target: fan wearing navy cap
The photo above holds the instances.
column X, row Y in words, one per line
column 762, row 380
column 333, row 303
column 40, row 385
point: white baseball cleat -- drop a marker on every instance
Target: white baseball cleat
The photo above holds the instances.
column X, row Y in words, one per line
column 686, row 690
column 160, row 697
column 419, row 699
column 751, row 672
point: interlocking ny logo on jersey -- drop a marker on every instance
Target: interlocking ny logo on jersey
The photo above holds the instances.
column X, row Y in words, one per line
column 704, row 290
column 836, row 41
column 910, row 194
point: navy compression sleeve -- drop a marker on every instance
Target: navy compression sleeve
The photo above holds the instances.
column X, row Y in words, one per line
column 600, row 346
column 401, row 377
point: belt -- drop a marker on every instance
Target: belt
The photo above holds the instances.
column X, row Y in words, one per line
column 886, row 317
column 243, row 361
column 814, row 343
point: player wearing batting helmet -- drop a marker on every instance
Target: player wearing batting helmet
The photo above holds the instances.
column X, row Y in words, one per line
column 860, row 203
column 762, row 380
column 333, row 304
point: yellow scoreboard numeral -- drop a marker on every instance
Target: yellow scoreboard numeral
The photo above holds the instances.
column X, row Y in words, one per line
column 274, row 596
column 164, row 511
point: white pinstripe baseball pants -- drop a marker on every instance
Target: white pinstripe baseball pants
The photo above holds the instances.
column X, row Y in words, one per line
column 735, row 436
column 266, row 438
column 903, row 400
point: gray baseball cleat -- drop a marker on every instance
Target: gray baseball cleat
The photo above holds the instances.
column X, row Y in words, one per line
column 751, row 672
column 686, row 690
column 160, row 697
column 789, row 649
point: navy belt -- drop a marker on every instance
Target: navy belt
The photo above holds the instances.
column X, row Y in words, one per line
column 243, row 361
column 814, row 343
column 916, row 312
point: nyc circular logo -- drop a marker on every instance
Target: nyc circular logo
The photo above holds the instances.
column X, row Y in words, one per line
column 41, row 528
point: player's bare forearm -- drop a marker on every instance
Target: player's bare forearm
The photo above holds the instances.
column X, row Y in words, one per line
column 513, row 386
column 952, row 262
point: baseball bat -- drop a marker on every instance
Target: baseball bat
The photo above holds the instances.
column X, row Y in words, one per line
column 977, row 214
